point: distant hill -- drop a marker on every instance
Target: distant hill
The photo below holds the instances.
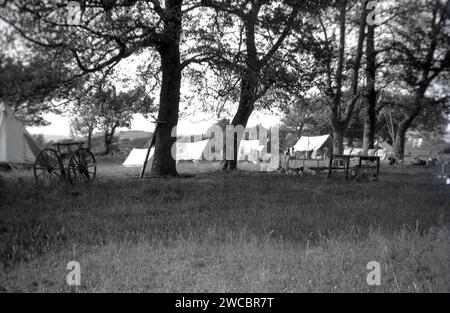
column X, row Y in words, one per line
column 133, row 134
column 127, row 141
column 52, row 138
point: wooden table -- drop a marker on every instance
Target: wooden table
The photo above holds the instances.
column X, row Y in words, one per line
column 347, row 159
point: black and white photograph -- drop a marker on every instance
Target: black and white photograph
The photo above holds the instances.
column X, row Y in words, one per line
column 228, row 154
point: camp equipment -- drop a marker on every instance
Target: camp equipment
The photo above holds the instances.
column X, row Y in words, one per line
column 51, row 164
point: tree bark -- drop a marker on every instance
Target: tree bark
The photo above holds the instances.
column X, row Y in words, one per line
column 400, row 138
column 106, row 143
column 89, row 139
column 109, row 138
column 371, row 95
column 341, row 120
column 427, row 67
column 399, row 148
column 245, row 109
column 338, row 138
column 249, row 86
column 169, row 49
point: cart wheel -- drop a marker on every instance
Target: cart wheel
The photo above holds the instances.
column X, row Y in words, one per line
column 48, row 167
column 82, row 167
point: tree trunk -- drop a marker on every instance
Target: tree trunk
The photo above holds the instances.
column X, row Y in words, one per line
column 399, row 148
column 249, row 84
column 341, row 120
column 426, row 67
column 371, row 95
column 89, row 139
column 400, row 138
column 163, row 163
column 369, row 129
column 350, row 140
column 245, row 109
column 338, row 139
column 106, row 142
column 109, row 139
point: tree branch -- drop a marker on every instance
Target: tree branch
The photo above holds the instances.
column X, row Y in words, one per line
column 284, row 34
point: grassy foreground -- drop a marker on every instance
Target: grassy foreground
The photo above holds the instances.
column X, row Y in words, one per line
column 243, row 232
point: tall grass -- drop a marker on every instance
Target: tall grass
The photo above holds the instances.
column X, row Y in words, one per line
column 226, row 232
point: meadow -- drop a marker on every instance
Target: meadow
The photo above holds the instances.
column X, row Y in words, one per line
column 226, row 232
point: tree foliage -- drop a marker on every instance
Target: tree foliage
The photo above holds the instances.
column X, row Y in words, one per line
column 108, row 110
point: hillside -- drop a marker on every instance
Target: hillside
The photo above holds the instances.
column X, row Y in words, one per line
column 127, row 141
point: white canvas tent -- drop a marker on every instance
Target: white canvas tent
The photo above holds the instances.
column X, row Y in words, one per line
column 137, row 156
column 382, row 150
column 307, row 144
column 186, row 151
column 17, row 146
column 193, row 151
column 251, row 149
column 386, row 150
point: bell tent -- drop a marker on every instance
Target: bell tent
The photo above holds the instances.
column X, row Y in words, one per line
column 17, row 146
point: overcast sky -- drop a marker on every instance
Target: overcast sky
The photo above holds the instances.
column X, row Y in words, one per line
column 60, row 124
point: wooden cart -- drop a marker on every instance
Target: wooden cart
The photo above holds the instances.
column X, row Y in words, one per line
column 69, row 160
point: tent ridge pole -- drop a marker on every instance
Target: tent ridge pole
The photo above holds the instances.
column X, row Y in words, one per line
column 152, row 143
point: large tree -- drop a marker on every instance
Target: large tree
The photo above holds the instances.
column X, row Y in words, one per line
column 376, row 72
column 29, row 81
column 115, row 109
column 260, row 29
column 101, row 34
column 27, row 89
column 306, row 117
column 433, row 119
column 341, row 65
column 420, row 57
column 370, row 95
column 85, row 121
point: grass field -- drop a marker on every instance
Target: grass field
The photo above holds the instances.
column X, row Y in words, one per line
column 219, row 232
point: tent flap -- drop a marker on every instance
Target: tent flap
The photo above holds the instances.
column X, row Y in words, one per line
column 185, row 151
column 310, row 143
column 17, row 146
column 191, row 150
column 137, row 156
column 250, row 148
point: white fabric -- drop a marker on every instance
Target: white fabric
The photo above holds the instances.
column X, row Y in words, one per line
column 194, row 151
column 265, row 157
column 357, row 151
column 371, row 152
column 191, row 150
column 310, row 143
column 348, row 151
column 16, row 144
column 383, row 154
column 387, row 147
column 137, row 156
column 250, row 148
column 185, row 151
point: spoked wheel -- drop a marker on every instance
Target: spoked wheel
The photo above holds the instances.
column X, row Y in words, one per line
column 48, row 167
column 82, row 167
